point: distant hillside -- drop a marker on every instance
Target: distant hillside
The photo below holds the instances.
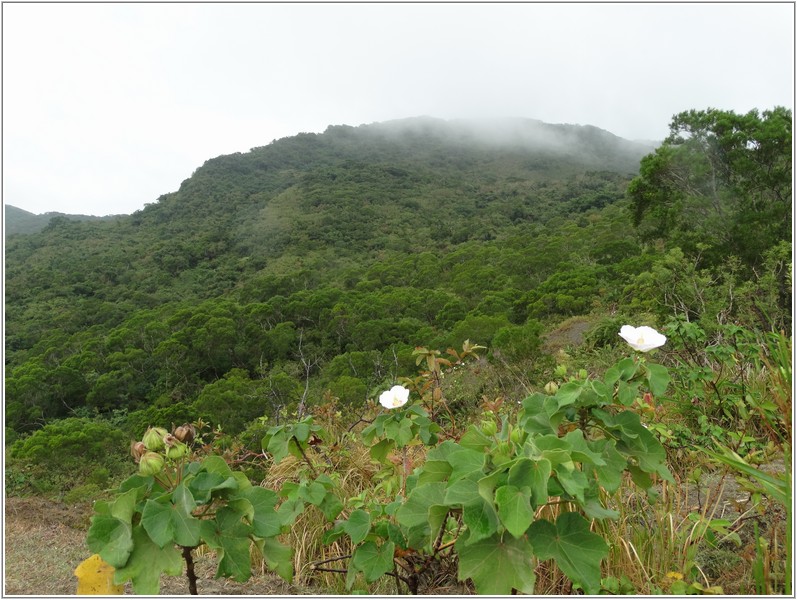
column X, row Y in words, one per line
column 22, row 221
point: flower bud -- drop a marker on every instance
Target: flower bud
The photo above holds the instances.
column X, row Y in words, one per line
column 153, row 438
column 176, row 450
column 489, row 427
column 551, row 388
column 137, row 449
column 150, row 464
column 516, row 436
column 185, row 433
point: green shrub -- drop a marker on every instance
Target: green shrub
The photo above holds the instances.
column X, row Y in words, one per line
column 82, row 493
column 68, row 453
column 519, row 342
column 137, row 422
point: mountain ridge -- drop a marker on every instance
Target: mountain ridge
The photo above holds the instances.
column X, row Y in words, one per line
column 508, row 132
column 20, row 221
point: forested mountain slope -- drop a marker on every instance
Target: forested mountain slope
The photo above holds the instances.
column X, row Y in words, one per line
column 348, row 194
column 318, row 262
column 18, row 221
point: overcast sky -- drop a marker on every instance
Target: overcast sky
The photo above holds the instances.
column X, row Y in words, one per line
column 108, row 106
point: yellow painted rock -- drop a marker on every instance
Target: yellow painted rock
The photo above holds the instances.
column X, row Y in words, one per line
column 95, row 578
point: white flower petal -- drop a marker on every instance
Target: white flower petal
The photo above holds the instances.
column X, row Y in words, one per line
column 642, row 338
column 395, row 397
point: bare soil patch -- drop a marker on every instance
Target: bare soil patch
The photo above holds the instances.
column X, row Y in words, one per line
column 45, row 540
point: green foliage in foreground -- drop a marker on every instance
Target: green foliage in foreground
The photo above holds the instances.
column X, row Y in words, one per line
column 502, row 498
column 515, row 490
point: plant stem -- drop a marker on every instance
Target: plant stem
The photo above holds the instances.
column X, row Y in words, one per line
column 189, row 570
column 307, row 460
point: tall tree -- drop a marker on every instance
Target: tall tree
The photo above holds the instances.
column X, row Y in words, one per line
column 719, row 183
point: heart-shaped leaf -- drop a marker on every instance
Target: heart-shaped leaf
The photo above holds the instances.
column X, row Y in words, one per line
column 514, row 508
column 576, row 550
column 497, row 566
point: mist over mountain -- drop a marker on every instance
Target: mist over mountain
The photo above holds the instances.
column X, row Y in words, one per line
column 420, row 139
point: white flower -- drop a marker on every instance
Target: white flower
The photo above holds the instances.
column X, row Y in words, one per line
column 395, row 397
column 642, row 338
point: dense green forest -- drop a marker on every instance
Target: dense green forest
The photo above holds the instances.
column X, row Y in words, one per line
column 305, row 273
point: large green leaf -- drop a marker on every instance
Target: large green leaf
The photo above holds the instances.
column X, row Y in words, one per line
column 610, row 476
column 577, row 551
column 533, row 474
column 581, row 451
column 205, row 483
column 380, row 450
column 372, row 560
column 405, row 433
column 185, row 527
column 573, row 481
column 497, row 565
column 156, row 519
column 481, row 519
column 658, row 378
column 474, row 439
column 265, row 522
column 357, row 526
column 146, row 563
column 554, row 448
column 462, row 493
column 168, row 523
column 301, row 431
column 183, row 497
column 289, row 510
column 331, row 506
column 124, row 506
column 610, row 421
column 217, row 464
column 628, row 368
column 464, row 462
column 594, row 508
column 514, row 508
column 423, row 513
column 229, row 536
column 488, row 484
column 279, row 557
column 313, row 493
column 111, row 538
column 627, row 392
column 537, row 412
column 442, row 451
column 415, row 511
column 434, row 470
column 277, row 445
column 643, row 446
column 569, row 392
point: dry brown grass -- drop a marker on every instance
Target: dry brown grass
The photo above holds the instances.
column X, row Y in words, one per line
column 43, row 545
